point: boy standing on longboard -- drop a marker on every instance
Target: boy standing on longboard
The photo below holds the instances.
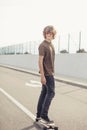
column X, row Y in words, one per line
column 46, row 66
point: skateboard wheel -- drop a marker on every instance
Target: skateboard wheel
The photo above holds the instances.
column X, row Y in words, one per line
column 56, row 128
column 44, row 128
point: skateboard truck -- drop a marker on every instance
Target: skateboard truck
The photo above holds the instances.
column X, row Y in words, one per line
column 50, row 128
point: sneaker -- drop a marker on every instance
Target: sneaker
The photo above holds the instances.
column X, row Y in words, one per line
column 46, row 119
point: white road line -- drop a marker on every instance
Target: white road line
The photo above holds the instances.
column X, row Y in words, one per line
column 35, row 82
column 19, row 105
column 33, row 85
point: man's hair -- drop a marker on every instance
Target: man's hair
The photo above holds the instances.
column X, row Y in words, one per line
column 49, row 29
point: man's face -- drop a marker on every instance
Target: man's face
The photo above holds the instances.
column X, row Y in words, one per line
column 49, row 36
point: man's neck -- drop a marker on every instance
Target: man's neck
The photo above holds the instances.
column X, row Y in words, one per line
column 48, row 40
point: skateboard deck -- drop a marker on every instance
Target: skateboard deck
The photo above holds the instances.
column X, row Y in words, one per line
column 46, row 126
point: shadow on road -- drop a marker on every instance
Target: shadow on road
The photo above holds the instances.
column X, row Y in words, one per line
column 31, row 127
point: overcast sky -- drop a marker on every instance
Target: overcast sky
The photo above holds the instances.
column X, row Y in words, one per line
column 24, row 20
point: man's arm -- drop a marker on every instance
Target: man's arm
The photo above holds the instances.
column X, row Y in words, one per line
column 43, row 79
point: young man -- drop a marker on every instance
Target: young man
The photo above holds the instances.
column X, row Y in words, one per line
column 46, row 66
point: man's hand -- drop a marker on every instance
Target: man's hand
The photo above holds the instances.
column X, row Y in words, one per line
column 43, row 80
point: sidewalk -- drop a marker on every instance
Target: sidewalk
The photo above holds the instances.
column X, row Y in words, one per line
column 61, row 78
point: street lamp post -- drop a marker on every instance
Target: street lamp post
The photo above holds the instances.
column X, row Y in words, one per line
column 79, row 40
column 68, row 42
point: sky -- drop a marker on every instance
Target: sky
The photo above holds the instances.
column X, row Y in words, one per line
column 24, row 20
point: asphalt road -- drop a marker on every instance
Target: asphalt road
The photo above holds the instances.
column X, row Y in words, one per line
column 19, row 94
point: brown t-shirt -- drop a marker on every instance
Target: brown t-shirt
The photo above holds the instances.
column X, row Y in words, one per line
column 46, row 49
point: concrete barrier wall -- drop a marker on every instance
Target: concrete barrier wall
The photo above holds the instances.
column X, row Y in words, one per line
column 74, row 65
column 23, row 61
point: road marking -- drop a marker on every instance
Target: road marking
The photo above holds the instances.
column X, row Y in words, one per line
column 19, row 105
column 33, row 83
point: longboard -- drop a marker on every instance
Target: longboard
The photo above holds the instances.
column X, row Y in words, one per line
column 46, row 126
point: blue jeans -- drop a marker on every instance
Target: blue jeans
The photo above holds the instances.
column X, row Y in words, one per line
column 46, row 96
